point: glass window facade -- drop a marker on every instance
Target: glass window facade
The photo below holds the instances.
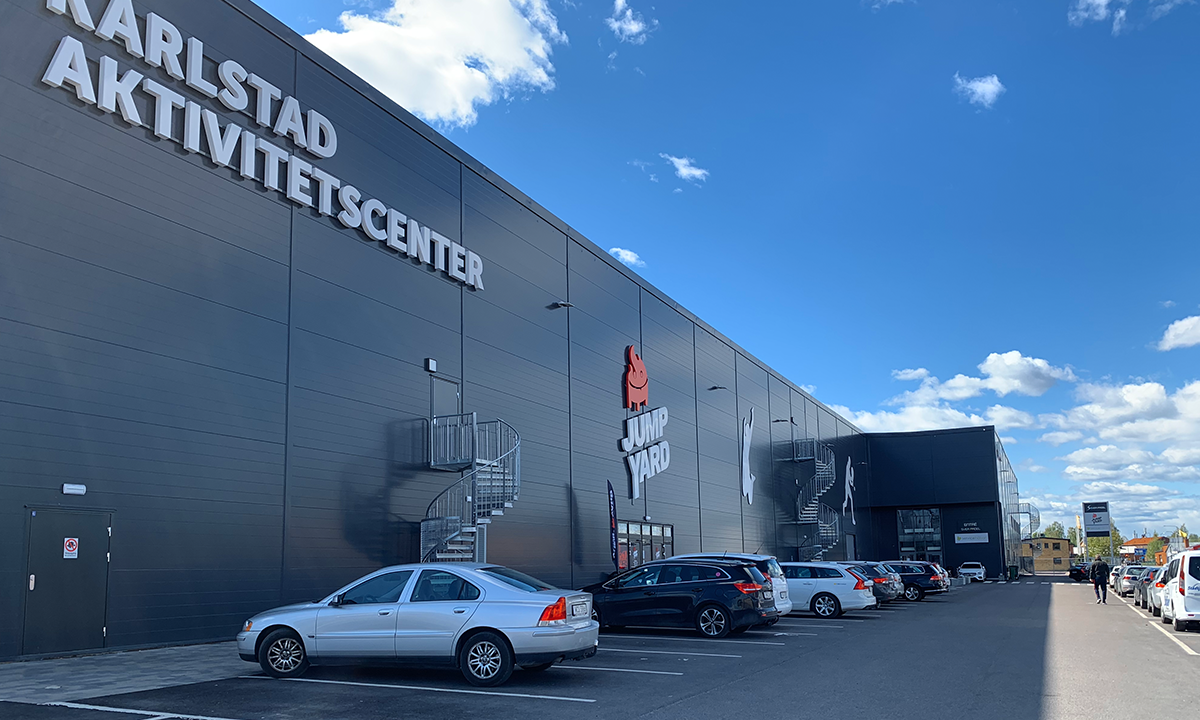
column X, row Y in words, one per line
column 639, row 543
column 920, row 534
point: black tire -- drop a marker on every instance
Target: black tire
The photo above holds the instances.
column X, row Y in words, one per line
column 1163, row 615
column 542, row 667
column 1180, row 626
column 485, row 660
column 913, row 593
column 825, row 606
column 713, row 621
column 282, row 654
column 1156, row 611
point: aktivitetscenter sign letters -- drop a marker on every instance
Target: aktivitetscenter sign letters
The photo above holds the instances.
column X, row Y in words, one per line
column 237, row 89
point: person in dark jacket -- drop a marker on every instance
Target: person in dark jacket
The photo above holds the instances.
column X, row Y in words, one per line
column 1099, row 574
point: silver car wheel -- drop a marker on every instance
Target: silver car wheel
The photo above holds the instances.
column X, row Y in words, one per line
column 483, row 659
column 285, row 654
column 712, row 621
column 824, row 606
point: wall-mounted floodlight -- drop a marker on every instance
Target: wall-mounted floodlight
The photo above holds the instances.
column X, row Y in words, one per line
column 718, row 387
column 562, row 304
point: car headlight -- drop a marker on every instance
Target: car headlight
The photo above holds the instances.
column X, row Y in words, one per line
column 247, row 626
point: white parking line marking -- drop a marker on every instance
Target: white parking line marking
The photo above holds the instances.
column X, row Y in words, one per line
column 1159, row 627
column 987, row 582
column 817, row 627
column 1045, row 583
column 1031, row 583
column 624, row 670
column 128, row 711
column 666, row 652
column 456, row 691
column 687, row 639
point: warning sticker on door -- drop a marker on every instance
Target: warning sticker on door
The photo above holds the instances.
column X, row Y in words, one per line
column 70, row 548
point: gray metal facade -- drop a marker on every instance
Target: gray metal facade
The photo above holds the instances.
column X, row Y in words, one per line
column 240, row 381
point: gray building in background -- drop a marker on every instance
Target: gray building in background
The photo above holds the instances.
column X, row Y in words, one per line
column 262, row 331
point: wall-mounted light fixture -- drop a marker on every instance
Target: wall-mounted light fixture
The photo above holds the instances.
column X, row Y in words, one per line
column 791, row 420
column 73, row 489
column 718, row 387
column 430, row 365
column 562, row 304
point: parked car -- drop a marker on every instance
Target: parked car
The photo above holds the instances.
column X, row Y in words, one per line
column 943, row 574
column 828, row 589
column 1140, row 585
column 1079, row 573
column 1124, row 584
column 1154, row 592
column 1181, row 593
column 428, row 614
column 972, row 571
column 886, row 585
column 920, row 578
column 767, row 565
column 1113, row 575
column 716, row 597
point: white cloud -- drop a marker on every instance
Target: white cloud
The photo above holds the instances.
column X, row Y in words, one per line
column 1008, row 440
column 685, row 168
column 1061, row 437
column 1167, row 303
column 628, row 257
column 1007, row 418
column 1181, row 333
column 677, row 190
column 914, row 417
column 1003, row 373
column 910, row 374
column 612, row 61
column 442, row 59
column 1136, row 506
column 982, row 91
column 1028, row 465
column 879, row 4
column 629, row 26
column 810, row 389
column 1084, row 11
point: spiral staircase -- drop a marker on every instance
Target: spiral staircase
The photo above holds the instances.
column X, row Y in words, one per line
column 809, row 508
column 488, row 457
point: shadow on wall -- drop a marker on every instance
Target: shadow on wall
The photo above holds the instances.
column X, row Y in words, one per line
column 384, row 524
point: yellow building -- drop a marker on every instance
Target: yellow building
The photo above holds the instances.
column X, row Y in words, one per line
column 1050, row 554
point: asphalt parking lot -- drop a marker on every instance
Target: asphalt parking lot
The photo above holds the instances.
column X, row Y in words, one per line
column 983, row 651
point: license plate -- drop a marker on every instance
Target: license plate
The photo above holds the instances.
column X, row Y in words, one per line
column 578, row 610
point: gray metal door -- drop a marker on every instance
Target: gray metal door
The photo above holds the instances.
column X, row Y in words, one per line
column 445, row 397
column 66, row 581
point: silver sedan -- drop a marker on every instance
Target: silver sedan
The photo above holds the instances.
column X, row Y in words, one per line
column 483, row 619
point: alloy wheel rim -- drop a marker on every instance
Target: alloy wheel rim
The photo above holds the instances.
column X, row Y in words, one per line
column 484, row 660
column 910, row 593
column 824, row 606
column 712, row 622
column 285, row 655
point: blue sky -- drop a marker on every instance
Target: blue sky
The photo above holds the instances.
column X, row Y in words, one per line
column 934, row 213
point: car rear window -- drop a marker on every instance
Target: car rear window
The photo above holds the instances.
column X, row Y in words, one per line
column 773, row 568
column 517, row 579
column 972, row 565
column 755, row 574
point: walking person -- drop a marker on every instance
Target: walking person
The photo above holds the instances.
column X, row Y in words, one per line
column 1099, row 573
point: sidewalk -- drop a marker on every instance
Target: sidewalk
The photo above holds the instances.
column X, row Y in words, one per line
column 77, row 678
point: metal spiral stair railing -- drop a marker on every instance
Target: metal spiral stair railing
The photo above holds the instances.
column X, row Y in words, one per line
column 809, row 498
column 828, row 535
column 489, row 456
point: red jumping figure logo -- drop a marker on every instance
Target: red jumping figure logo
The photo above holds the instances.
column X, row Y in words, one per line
column 637, row 390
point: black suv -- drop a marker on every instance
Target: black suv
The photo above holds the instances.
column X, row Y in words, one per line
column 920, row 578
column 716, row 597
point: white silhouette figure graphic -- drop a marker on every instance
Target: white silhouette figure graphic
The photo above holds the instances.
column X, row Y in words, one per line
column 747, row 477
column 849, row 492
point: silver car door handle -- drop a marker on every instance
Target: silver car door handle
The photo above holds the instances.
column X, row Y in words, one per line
column 459, row 611
column 32, row 579
column 385, row 612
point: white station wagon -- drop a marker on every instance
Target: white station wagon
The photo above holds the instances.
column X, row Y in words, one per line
column 483, row 619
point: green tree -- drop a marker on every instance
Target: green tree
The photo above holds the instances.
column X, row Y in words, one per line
column 1155, row 546
column 1098, row 546
column 1054, row 529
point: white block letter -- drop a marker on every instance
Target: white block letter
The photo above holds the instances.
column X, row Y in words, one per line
column 322, row 138
column 195, row 68
column 297, row 181
column 326, row 184
column 220, row 146
column 350, row 216
column 370, row 209
column 291, row 121
column 233, row 95
column 119, row 21
column 163, row 45
column 69, row 66
column 165, row 102
column 273, row 156
column 266, row 93
column 396, row 221
column 116, row 93
column 474, row 270
column 79, row 11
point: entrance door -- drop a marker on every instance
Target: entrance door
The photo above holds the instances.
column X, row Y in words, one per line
column 444, row 397
column 66, row 581
column 851, row 548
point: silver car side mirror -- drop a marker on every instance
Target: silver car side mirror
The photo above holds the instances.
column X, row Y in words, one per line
column 336, row 601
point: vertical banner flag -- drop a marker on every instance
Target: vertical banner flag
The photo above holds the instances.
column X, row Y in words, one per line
column 1096, row 519
column 612, row 523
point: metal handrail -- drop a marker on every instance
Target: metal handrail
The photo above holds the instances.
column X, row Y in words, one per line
column 453, row 440
column 493, row 481
column 824, row 478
